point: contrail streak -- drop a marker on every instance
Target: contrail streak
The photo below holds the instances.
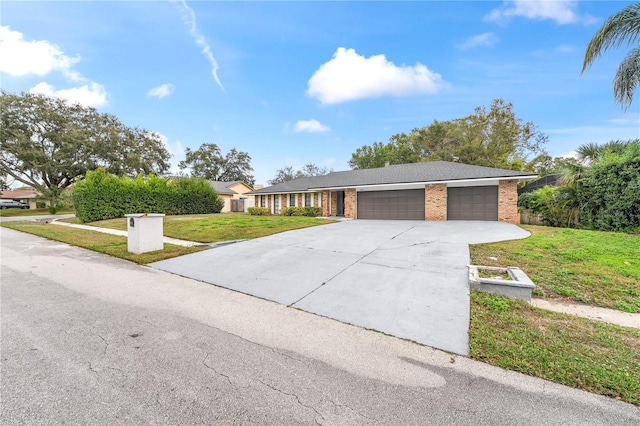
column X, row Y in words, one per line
column 189, row 18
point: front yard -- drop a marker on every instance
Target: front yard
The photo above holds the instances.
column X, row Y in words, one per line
column 584, row 354
column 198, row 228
column 209, row 228
column 590, row 267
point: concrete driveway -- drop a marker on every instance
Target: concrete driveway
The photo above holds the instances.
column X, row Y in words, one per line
column 404, row 278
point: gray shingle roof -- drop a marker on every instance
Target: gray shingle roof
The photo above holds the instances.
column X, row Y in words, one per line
column 223, row 187
column 432, row 171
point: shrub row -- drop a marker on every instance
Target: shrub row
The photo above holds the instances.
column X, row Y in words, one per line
column 259, row 211
column 301, row 211
column 103, row 196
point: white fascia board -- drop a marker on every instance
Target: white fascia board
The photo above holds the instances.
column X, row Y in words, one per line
column 422, row 184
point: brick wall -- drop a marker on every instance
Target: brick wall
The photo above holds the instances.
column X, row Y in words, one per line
column 350, row 203
column 284, row 199
column 300, row 200
column 257, row 201
column 508, row 201
column 325, row 203
column 334, row 203
column 435, row 201
column 269, row 197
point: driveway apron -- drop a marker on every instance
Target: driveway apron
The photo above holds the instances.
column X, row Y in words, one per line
column 404, row 278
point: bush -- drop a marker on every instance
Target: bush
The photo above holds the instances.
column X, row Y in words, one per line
column 293, row 211
column 525, row 200
column 313, row 211
column 556, row 204
column 301, row 211
column 259, row 211
column 41, row 205
column 609, row 193
column 103, row 196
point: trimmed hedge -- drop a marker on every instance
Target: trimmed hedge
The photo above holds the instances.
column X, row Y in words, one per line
column 259, row 211
column 301, row 211
column 103, row 196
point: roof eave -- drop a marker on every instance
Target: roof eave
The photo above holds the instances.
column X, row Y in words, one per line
column 524, row 177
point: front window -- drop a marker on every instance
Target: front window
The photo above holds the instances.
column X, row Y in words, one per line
column 263, row 201
column 276, row 204
column 292, row 200
column 307, row 199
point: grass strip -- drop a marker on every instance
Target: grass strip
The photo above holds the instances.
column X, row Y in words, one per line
column 592, row 267
column 112, row 245
column 30, row 212
column 584, row 354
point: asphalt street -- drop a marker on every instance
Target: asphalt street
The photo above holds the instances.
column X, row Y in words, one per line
column 89, row 339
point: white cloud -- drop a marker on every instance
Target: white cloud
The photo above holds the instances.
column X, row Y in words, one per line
column 563, row 12
column 570, row 154
column 349, row 76
column 162, row 90
column 310, row 126
column 484, row 39
column 189, row 18
column 91, row 94
column 19, row 57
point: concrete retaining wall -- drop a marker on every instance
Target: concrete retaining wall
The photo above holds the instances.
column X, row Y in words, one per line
column 519, row 286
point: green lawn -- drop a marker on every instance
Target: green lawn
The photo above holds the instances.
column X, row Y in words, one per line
column 97, row 241
column 30, row 212
column 199, row 228
column 592, row 267
column 208, row 228
column 590, row 355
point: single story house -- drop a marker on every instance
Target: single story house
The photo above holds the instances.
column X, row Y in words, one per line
column 27, row 196
column 436, row 190
column 230, row 191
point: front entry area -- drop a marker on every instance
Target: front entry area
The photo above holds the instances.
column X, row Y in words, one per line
column 406, row 204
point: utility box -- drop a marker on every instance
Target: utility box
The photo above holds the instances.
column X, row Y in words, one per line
column 145, row 232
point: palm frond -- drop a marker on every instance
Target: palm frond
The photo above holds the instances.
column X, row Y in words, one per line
column 621, row 27
column 627, row 78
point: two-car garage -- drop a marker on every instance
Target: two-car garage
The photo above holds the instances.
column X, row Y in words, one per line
column 463, row 203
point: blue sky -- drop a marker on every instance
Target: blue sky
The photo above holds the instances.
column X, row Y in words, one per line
column 299, row 82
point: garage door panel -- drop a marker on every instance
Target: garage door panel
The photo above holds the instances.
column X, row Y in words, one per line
column 472, row 203
column 404, row 204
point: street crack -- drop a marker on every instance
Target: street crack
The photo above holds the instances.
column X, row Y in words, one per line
column 297, row 398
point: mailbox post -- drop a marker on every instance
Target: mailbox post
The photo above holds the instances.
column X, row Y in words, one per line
column 145, row 232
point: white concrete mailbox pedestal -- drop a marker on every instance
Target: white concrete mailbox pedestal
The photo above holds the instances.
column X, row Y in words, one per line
column 144, row 232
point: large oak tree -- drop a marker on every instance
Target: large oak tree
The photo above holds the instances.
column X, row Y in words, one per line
column 49, row 144
column 288, row 173
column 209, row 163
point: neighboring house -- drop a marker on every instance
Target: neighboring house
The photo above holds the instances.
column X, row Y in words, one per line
column 230, row 191
column 437, row 190
column 27, row 196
